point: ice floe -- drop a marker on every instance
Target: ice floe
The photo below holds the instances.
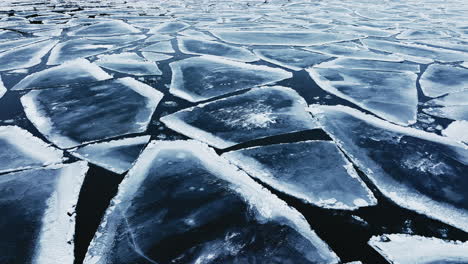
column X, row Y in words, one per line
column 361, row 64
column 124, row 39
column 451, row 106
column 152, row 56
column 258, row 113
column 353, row 52
column 163, row 46
column 7, row 45
column 107, row 28
column 441, row 79
column 293, row 59
column 38, row 214
column 70, row 73
column 407, row 249
column 420, row 171
column 25, row 57
column 201, row 78
column 72, row 116
column 77, row 48
column 457, row 130
column 116, row 156
column 129, row 63
column 206, row 47
column 314, row 171
column 3, row 90
column 169, row 27
column 180, row 188
column 158, row 38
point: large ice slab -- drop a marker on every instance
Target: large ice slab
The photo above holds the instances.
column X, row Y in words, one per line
column 314, row 171
column 70, row 73
column 152, row 56
column 76, row 48
column 116, row 156
column 7, row 45
column 390, row 95
column 163, row 46
column 457, row 130
column 291, row 58
column 38, row 214
column 284, row 38
column 129, row 63
column 407, row 249
column 451, row 106
column 201, row 78
column 21, row 150
column 439, row 79
column 169, row 27
column 3, row 90
column 107, row 28
column 180, row 188
column 258, row 113
column 206, row 47
column 70, row 116
column 360, row 64
column 353, row 52
column 25, row 57
column 420, row 171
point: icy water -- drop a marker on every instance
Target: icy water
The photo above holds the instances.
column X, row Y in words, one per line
column 233, row 132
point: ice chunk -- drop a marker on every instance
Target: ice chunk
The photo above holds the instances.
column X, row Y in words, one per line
column 169, row 27
column 201, row 78
column 314, row 171
column 353, row 52
column 25, row 57
column 21, row 150
column 180, row 188
column 457, row 130
column 205, row 47
column 151, row 56
column 158, row 38
column 285, row 38
column 422, row 34
column 407, row 249
column 69, row 73
column 107, row 28
column 196, row 34
column 452, row 99
column 371, row 65
column 291, row 58
column 76, row 48
column 72, row 116
column 441, row 79
column 117, row 155
column 3, row 90
column 38, row 218
column 420, row 171
column 258, row 113
column 163, row 46
column 129, row 63
column 7, row 45
column 124, row 39
column 6, row 35
column 454, row 112
column 390, row 95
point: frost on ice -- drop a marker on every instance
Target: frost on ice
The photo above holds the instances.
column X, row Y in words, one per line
column 258, row 113
column 38, row 218
column 293, row 59
column 205, row 47
column 129, row 63
column 72, row 116
column 70, row 73
column 407, row 249
column 420, row 171
column 439, row 79
column 21, row 150
column 180, row 188
column 116, row 156
column 201, row 78
column 25, row 57
column 314, row 171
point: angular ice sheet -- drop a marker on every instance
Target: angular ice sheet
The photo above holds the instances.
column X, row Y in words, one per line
column 258, row 113
column 116, row 156
column 25, row 57
column 70, row 116
column 178, row 189
column 453, row 112
column 152, row 56
column 420, row 171
column 458, row 130
column 3, row 90
column 206, row 47
column 70, row 73
column 21, row 150
column 38, row 214
column 77, row 48
column 314, row 171
column 291, row 58
column 129, row 63
column 108, row 28
column 375, row 65
column 158, row 38
column 340, row 50
column 408, row 249
column 201, row 78
column 441, row 79
column 284, row 38
column 169, row 27
column 163, row 46
column 390, row 95
column 124, row 39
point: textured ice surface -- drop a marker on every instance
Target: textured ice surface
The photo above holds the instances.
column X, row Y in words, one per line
column 70, row 73
column 390, row 95
column 129, row 63
column 70, row 116
column 376, row 65
column 314, row 171
column 206, row 47
column 354, row 52
column 124, row 39
column 451, row 106
column 407, row 249
column 258, row 113
column 7, row 45
column 178, row 189
column 21, row 150
column 196, row 34
column 25, row 57
column 441, row 79
column 158, row 37
column 200, row 78
column 152, row 56
column 76, row 48
column 457, row 130
column 291, row 58
column 3, row 90
column 116, row 156
column 163, row 46
column 38, row 218
column 114, row 27
column 285, row 38
column 420, row 171
column 169, row 27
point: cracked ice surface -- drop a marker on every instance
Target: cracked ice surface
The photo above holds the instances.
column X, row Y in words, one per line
column 177, row 188
column 205, row 47
column 129, row 63
column 25, row 57
column 73, row 116
column 441, row 79
column 291, row 58
column 404, row 163
column 258, row 113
